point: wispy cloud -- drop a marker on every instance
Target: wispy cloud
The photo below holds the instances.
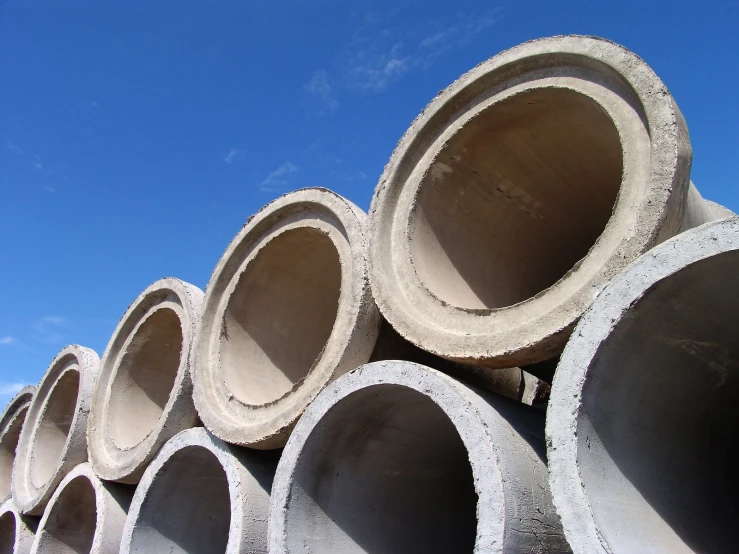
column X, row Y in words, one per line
column 232, row 155
column 321, row 89
column 47, row 188
column 276, row 181
column 37, row 165
column 50, row 329
column 10, row 389
column 7, row 341
column 13, row 147
column 94, row 104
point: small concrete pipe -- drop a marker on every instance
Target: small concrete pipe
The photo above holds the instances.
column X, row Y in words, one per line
column 53, row 440
column 201, row 496
column 642, row 420
column 143, row 395
column 287, row 309
column 395, row 457
column 85, row 515
column 16, row 530
column 520, row 191
column 11, row 423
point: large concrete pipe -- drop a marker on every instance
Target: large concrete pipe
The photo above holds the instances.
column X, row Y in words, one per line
column 11, row 423
column 16, row 530
column 520, row 191
column 53, row 440
column 287, row 309
column 395, row 457
column 642, row 420
column 85, row 515
column 143, row 395
column 201, row 496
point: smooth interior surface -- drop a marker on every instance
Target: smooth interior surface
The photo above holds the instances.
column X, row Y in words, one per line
column 280, row 315
column 515, row 199
column 7, row 533
column 145, row 378
column 657, row 444
column 8, row 445
column 187, row 508
column 70, row 528
column 53, row 427
column 385, row 472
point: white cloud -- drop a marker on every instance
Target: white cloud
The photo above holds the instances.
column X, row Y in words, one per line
column 10, row 389
column 13, row 147
column 275, row 181
column 47, row 188
column 50, row 329
column 232, row 155
column 37, row 165
column 374, row 67
column 320, row 87
column 6, row 341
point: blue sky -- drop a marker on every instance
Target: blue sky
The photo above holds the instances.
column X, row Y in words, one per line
column 136, row 137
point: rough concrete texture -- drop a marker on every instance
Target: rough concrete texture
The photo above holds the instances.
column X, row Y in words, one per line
column 11, row 423
column 85, row 515
column 16, row 530
column 395, row 457
column 143, row 394
column 642, row 420
column 287, row 309
column 519, row 192
column 53, row 440
column 201, row 496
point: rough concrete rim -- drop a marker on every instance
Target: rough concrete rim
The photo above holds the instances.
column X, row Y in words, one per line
column 268, row 426
column 29, row 498
column 565, row 403
column 537, row 328
column 127, row 465
column 9, row 418
column 24, row 534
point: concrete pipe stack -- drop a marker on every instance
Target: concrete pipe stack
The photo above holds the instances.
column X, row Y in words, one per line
column 385, row 382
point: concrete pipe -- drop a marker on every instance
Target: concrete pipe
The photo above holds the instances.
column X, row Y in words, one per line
column 396, row 457
column 642, row 420
column 287, row 309
column 16, row 530
column 53, row 440
column 519, row 192
column 11, row 423
column 201, row 496
column 85, row 515
column 143, row 395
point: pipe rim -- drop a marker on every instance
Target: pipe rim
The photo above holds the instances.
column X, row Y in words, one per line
column 23, row 536
column 16, row 408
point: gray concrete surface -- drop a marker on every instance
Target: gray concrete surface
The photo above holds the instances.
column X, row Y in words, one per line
column 11, row 423
column 395, row 457
column 288, row 308
column 53, row 440
column 519, row 192
column 143, row 393
column 201, row 496
column 16, row 530
column 642, row 419
column 84, row 515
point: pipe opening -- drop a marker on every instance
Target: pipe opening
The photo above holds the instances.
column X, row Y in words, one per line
column 8, row 446
column 384, row 471
column 53, row 427
column 657, row 445
column 280, row 315
column 187, row 507
column 515, row 199
column 71, row 525
column 145, row 378
column 7, row 533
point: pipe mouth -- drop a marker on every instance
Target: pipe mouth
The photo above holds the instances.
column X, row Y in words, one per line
column 8, row 446
column 515, row 198
column 7, row 532
column 71, row 523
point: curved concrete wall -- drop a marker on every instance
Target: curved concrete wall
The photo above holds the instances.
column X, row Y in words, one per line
column 287, row 309
column 85, row 514
column 201, row 496
column 11, row 423
column 143, row 394
column 16, row 530
column 395, row 457
column 519, row 192
column 642, row 419
column 53, row 440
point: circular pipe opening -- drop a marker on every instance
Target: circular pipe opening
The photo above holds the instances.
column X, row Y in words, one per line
column 70, row 526
column 384, row 471
column 187, row 507
column 515, row 199
column 145, row 378
column 280, row 315
column 8, row 446
column 7, row 533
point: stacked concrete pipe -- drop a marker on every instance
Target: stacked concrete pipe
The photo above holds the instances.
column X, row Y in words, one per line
column 520, row 191
column 143, row 394
column 16, row 530
column 84, row 514
column 201, row 496
column 11, row 424
column 395, row 457
column 642, row 419
column 53, row 440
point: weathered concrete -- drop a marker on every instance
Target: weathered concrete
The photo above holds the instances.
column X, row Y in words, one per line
column 201, row 496
column 395, row 457
column 11, row 423
column 519, row 192
column 143, row 395
column 642, row 420
column 85, row 515
column 53, row 440
column 16, row 530
column 287, row 309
